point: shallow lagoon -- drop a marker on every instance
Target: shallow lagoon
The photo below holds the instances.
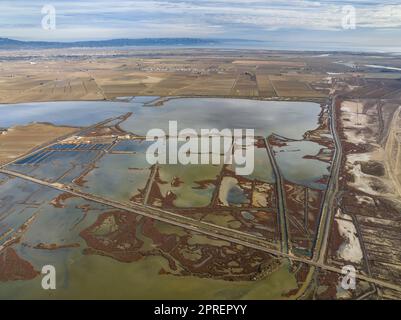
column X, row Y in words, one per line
column 295, row 168
column 94, row 276
column 285, row 118
column 72, row 113
column 289, row 119
column 79, row 275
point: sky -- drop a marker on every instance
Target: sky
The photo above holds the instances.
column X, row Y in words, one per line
column 291, row 22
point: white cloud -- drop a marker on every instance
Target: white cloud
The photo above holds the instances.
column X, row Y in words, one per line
column 195, row 18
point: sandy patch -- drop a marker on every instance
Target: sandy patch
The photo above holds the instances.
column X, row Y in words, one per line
column 365, row 200
column 350, row 250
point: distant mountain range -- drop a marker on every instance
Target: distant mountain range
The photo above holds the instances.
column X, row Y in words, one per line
column 6, row 43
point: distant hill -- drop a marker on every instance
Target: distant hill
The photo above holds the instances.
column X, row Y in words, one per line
column 6, row 43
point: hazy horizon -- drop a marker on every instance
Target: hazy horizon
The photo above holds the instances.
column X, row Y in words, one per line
column 292, row 24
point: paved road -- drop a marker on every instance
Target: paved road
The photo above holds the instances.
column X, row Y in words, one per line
column 327, row 212
column 393, row 132
column 281, row 199
column 201, row 227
